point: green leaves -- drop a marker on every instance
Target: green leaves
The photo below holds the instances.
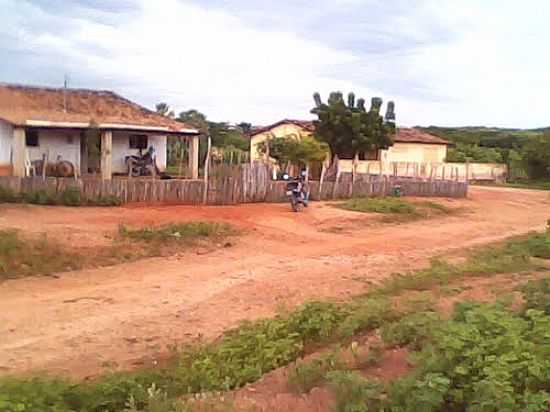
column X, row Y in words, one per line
column 349, row 129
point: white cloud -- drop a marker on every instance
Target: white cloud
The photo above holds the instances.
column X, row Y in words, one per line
column 460, row 62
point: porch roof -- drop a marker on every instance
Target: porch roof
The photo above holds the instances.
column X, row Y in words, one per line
column 31, row 106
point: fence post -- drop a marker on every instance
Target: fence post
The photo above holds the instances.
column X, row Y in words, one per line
column 206, row 167
column 467, row 171
column 321, row 179
column 335, row 187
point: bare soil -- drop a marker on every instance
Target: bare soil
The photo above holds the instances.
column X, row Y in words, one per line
column 126, row 316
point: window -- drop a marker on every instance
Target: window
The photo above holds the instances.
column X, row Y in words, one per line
column 31, row 138
column 370, row 155
column 138, row 141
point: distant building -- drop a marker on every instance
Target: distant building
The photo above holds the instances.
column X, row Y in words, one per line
column 410, row 145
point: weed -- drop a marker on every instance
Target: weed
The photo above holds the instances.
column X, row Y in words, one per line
column 378, row 205
column 7, row 195
column 178, row 231
column 355, row 393
column 40, row 197
column 71, row 196
column 412, row 330
column 307, row 375
column 20, row 257
column 537, row 295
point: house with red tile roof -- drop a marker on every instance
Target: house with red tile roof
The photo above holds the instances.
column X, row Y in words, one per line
column 410, row 144
column 38, row 122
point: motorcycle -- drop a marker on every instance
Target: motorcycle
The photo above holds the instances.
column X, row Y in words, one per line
column 296, row 192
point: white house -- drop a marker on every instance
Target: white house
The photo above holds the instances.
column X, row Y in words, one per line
column 56, row 123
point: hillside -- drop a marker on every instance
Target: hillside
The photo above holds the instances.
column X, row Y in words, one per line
column 486, row 136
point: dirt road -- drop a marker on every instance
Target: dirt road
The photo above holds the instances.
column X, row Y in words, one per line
column 121, row 317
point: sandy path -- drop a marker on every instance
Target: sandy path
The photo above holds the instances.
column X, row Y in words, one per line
column 124, row 316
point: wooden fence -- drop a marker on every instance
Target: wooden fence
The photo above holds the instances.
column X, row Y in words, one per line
column 234, row 184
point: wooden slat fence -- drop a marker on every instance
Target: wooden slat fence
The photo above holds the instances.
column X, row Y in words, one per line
column 232, row 185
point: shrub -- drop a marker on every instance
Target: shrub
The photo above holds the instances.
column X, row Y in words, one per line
column 40, row 197
column 7, row 195
column 537, row 295
column 355, row 393
column 307, row 375
column 413, row 329
column 71, row 197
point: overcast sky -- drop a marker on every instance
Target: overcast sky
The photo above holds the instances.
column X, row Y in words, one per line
column 443, row 62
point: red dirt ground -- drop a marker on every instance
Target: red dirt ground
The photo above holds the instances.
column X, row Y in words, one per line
column 125, row 316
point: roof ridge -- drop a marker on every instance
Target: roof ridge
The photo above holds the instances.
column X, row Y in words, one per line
column 54, row 89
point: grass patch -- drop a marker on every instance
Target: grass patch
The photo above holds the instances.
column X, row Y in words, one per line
column 21, row 257
column 178, row 231
column 24, row 256
column 378, row 205
column 396, row 210
column 450, row 374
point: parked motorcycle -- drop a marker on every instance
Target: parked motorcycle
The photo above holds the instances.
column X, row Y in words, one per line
column 297, row 192
column 142, row 164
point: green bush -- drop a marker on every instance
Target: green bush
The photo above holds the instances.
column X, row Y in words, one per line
column 7, row 195
column 40, row 197
column 355, row 393
column 71, row 197
column 307, row 375
column 414, row 330
column 537, row 295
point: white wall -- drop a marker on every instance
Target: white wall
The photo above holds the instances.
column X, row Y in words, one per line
column 121, row 149
column 54, row 143
column 6, row 136
column 415, row 152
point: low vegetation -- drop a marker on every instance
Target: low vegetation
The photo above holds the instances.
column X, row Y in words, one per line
column 20, row 257
column 24, row 256
column 396, row 209
column 486, row 358
column 72, row 196
column 178, row 231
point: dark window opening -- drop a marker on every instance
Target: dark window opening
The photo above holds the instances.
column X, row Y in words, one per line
column 31, row 138
column 138, row 141
column 370, row 155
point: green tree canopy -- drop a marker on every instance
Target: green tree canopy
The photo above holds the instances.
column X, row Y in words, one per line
column 194, row 118
column 537, row 157
column 348, row 128
column 463, row 152
column 300, row 151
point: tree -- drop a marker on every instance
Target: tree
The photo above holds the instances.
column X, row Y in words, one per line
column 164, row 110
column 300, row 151
column 537, row 157
column 348, row 128
column 245, row 127
column 195, row 119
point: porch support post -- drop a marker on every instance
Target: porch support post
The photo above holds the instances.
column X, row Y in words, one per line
column 194, row 156
column 106, row 154
column 18, row 150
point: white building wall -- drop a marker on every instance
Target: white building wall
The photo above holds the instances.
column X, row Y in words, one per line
column 121, row 149
column 57, row 143
column 6, row 136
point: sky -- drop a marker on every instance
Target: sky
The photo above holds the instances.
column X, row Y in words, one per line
column 443, row 62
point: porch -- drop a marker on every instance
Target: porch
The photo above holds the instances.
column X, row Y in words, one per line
column 94, row 151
